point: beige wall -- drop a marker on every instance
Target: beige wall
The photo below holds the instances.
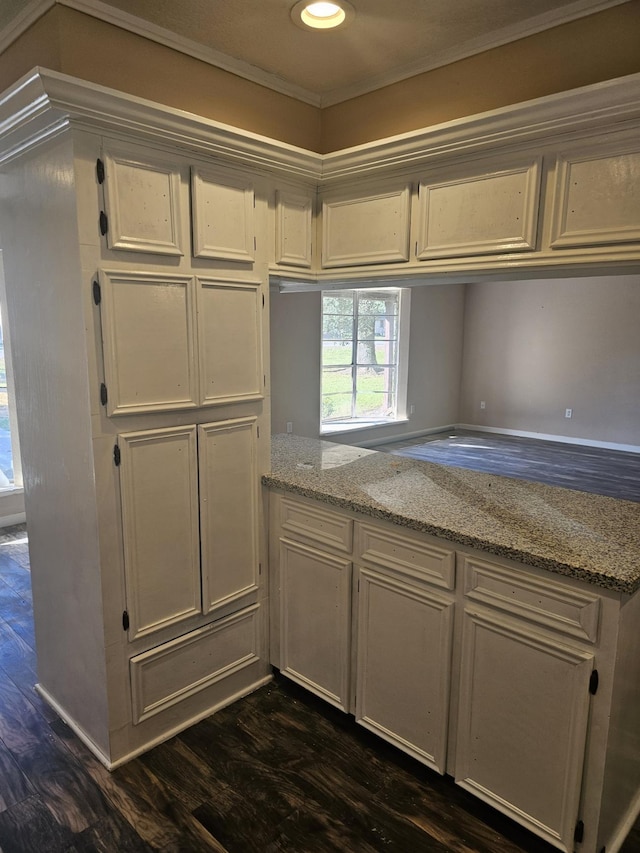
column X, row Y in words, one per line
column 435, row 359
column 585, row 51
column 589, row 50
column 533, row 349
column 77, row 44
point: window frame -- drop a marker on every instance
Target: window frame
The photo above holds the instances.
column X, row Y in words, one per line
column 400, row 367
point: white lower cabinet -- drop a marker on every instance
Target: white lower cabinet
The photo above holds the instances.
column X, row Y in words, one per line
column 522, row 724
column 405, row 634
column 502, row 675
column 315, row 620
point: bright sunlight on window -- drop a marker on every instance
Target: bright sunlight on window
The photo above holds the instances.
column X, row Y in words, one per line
column 364, row 357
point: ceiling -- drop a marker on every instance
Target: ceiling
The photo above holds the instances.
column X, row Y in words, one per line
column 388, row 40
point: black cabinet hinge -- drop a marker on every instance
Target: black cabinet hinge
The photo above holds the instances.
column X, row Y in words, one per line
column 116, row 454
column 259, row 568
column 593, row 682
column 97, row 292
column 258, row 432
column 125, row 620
column 100, row 170
column 578, row 835
column 263, row 300
column 103, row 394
column 104, row 223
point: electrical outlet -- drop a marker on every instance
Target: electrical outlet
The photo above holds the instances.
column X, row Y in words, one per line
column 483, row 405
column 412, row 409
column 568, row 413
column 289, row 427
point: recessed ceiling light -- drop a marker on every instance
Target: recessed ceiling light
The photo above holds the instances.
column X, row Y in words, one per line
column 322, row 15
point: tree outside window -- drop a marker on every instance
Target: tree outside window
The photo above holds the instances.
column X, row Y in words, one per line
column 361, row 346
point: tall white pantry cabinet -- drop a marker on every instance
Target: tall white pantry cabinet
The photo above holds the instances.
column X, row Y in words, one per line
column 137, row 291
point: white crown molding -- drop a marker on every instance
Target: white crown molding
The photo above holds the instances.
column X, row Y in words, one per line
column 514, row 32
column 110, row 14
column 45, row 102
column 588, row 108
column 25, row 19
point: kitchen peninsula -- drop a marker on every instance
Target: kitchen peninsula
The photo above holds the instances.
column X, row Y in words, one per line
column 486, row 626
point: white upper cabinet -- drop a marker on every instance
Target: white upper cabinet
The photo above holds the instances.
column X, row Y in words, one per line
column 148, row 329
column 230, row 341
column 477, row 214
column 597, row 197
column 366, row 229
column 179, row 342
column 293, row 229
column 142, row 200
column 159, row 485
column 223, row 214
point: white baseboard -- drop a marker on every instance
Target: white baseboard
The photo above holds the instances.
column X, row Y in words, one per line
column 75, row 728
column 564, row 439
column 406, row 436
column 112, row 765
column 624, row 827
column 10, row 520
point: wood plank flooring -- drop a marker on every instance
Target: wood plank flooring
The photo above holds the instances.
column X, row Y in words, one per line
column 277, row 771
column 588, row 469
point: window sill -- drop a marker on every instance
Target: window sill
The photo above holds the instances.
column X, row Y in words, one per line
column 354, row 426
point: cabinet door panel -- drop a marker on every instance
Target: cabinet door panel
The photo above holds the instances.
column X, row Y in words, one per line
column 404, row 666
column 223, row 216
column 148, row 323
column 366, row 230
column 142, row 197
column 315, row 620
column 176, row 670
column 293, row 229
column 159, row 483
column 597, row 199
column 228, row 511
column 229, row 334
column 524, row 705
column 482, row 214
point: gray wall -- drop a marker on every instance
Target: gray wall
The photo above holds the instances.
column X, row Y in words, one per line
column 535, row 348
column 435, row 360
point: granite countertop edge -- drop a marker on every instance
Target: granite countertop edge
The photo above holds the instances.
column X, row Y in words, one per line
column 603, row 579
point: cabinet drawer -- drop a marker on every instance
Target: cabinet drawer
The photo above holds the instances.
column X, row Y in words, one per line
column 408, row 555
column 308, row 523
column 182, row 667
column 545, row 602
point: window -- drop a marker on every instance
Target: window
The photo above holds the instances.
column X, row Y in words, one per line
column 364, row 348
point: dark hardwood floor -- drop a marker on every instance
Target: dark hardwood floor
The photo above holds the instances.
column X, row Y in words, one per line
column 588, row 469
column 277, row 771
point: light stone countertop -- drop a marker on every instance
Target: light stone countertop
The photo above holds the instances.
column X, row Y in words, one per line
column 590, row 537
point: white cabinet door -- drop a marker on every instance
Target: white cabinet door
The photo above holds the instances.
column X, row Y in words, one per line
column 142, row 200
column 522, row 724
column 404, row 665
column 223, row 216
column 159, row 484
column 227, row 453
column 293, row 223
column 148, row 331
column 230, row 340
column 496, row 211
column 315, row 620
column 371, row 229
column 597, row 197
